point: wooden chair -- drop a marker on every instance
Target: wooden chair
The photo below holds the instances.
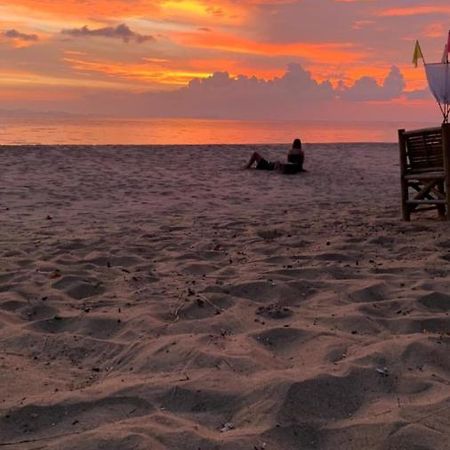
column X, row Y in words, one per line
column 425, row 170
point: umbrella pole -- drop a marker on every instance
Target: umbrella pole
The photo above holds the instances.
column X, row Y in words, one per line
column 446, row 94
column 443, row 111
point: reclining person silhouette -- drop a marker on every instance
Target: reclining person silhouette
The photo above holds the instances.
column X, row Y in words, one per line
column 295, row 160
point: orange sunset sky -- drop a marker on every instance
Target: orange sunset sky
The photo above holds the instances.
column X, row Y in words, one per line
column 223, row 58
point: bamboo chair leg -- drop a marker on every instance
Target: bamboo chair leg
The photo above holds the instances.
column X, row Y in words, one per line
column 441, row 208
column 447, row 203
column 446, row 152
column 404, row 183
column 406, row 211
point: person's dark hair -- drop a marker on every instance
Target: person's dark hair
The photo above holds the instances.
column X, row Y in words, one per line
column 297, row 143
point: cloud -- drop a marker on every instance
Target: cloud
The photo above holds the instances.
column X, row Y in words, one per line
column 230, row 43
column 420, row 94
column 121, row 31
column 14, row 34
column 295, row 95
column 415, row 10
column 367, row 89
column 434, row 30
column 76, row 9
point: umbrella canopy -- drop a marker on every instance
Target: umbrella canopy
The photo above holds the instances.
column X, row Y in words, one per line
column 438, row 76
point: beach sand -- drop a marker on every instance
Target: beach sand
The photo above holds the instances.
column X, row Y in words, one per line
column 162, row 298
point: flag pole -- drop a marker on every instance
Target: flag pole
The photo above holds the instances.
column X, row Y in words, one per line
column 423, row 57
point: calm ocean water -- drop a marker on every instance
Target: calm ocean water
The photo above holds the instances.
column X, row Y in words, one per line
column 191, row 131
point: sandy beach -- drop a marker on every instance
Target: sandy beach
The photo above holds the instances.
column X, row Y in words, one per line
column 162, row 298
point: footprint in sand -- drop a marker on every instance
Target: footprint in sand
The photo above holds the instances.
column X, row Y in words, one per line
column 79, row 288
column 435, row 301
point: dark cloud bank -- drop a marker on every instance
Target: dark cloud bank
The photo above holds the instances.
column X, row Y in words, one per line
column 121, row 31
column 14, row 34
column 294, row 95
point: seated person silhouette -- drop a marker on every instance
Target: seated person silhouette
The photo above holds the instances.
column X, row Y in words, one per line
column 295, row 160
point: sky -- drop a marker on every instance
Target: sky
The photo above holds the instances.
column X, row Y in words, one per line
column 249, row 59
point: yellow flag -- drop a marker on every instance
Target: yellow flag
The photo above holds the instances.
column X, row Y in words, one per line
column 417, row 54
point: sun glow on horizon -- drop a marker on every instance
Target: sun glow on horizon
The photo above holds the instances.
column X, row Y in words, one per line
column 190, row 7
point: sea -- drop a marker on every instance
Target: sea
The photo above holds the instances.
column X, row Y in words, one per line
column 103, row 130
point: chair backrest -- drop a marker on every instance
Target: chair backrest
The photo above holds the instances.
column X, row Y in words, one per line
column 424, row 149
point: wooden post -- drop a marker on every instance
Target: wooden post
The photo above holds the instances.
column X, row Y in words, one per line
column 403, row 167
column 446, row 152
column 441, row 207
